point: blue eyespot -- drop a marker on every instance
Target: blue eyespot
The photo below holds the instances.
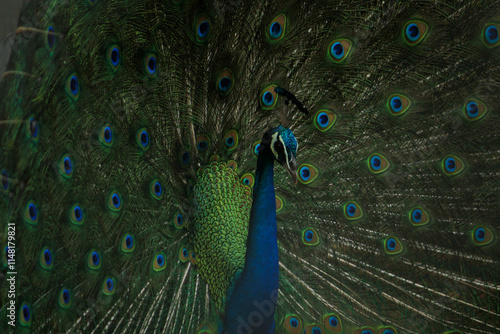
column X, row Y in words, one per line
column 68, row 165
column 152, row 65
column 225, row 84
column 108, row 134
column 5, row 179
column 396, row 104
column 275, row 30
column 268, row 99
column 472, row 109
column 48, row 257
column 322, row 119
column 160, row 260
column 229, row 141
column 77, row 211
column 26, row 313
column 480, row 234
column 491, row 34
column 334, row 322
column 203, row 29
column 412, row 32
column 95, row 258
column 305, row 173
column 72, row 87
column 33, row 212
column 351, row 210
column 417, row 215
column 246, row 181
column 144, row 138
column 450, row 164
column 66, row 295
column 316, row 330
column 129, row 241
column 158, row 188
column 294, row 322
column 337, row 50
column 116, row 200
column 110, row 284
column 391, row 244
column 375, row 162
column 179, row 220
column 115, row 56
column 51, row 38
column 308, row 235
column 388, row 331
column 185, row 252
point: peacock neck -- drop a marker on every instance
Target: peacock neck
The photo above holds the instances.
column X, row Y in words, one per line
column 251, row 304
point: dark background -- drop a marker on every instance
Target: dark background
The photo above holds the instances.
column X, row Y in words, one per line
column 9, row 14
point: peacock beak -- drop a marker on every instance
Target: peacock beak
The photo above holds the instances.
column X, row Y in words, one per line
column 291, row 168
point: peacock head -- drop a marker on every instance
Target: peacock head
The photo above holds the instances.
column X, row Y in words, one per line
column 283, row 146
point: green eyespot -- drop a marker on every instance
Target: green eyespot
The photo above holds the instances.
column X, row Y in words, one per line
column 159, row 262
column 352, row 211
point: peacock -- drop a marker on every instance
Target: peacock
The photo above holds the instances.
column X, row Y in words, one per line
column 237, row 167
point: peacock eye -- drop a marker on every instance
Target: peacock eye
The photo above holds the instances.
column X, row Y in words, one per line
column 150, row 65
column 142, row 138
column 108, row 286
column 268, row 97
column 276, row 29
column 46, row 258
column 310, row 237
column 76, row 214
column 64, row 298
column 25, row 314
column 184, row 254
column 203, row 25
column 393, row 246
column 159, row 262
column 482, row 236
column 115, row 201
column 491, row 35
column 231, row 140
column 202, row 142
column 414, row 32
column 113, row 55
column 452, row 165
column 72, row 86
column 353, row 211
column 398, row 104
column 293, row 324
column 332, row 323
column 474, row 110
column 31, row 213
column 94, row 259
column 225, row 81
column 128, row 243
column 339, row 50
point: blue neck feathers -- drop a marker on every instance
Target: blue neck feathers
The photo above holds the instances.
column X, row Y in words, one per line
column 251, row 304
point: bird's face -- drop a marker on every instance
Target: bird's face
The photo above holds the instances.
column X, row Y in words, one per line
column 284, row 147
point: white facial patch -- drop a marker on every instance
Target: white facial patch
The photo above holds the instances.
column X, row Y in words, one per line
column 273, row 141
